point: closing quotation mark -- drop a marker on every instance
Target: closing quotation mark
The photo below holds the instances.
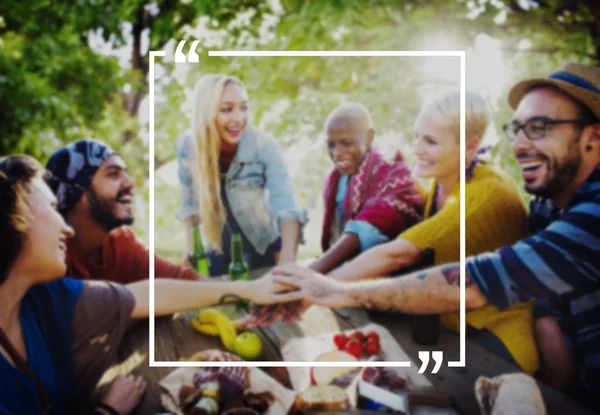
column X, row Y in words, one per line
column 438, row 358
column 192, row 55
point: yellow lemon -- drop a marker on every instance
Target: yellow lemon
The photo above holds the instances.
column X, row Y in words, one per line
column 247, row 345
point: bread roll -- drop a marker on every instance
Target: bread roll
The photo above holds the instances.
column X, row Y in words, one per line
column 514, row 393
column 322, row 398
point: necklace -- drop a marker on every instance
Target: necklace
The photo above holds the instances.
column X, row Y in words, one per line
column 22, row 365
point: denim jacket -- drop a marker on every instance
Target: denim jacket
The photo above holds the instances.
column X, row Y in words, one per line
column 258, row 187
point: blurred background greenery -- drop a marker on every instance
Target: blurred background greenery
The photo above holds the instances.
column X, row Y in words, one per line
column 70, row 70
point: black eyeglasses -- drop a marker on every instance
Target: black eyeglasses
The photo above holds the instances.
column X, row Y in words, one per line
column 535, row 128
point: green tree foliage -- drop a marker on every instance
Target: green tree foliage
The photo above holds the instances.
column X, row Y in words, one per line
column 49, row 86
column 55, row 88
column 566, row 29
column 562, row 29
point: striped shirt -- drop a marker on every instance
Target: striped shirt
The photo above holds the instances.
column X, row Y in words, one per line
column 559, row 262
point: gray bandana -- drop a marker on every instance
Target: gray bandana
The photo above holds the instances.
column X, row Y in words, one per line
column 73, row 168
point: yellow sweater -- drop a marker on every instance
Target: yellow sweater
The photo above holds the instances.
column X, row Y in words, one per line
column 495, row 217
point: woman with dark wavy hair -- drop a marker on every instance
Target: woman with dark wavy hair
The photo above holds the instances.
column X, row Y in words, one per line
column 58, row 335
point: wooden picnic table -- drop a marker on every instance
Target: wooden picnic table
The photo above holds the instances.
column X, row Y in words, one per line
column 175, row 339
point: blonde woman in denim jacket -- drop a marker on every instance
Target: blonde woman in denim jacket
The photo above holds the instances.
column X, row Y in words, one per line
column 234, row 180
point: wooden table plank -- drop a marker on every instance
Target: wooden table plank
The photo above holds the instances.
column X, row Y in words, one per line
column 176, row 339
column 133, row 356
column 460, row 382
column 316, row 320
column 188, row 341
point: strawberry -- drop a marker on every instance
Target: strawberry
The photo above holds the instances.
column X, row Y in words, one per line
column 372, row 347
column 373, row 335
column 340, row 341
column 358, row 336
column 354, row 348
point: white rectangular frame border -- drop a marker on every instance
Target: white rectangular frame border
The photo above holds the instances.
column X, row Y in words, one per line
column 459, row 54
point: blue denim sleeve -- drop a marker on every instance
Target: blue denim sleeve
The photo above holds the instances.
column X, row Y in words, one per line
column 368, row 234
column 185, row 156
column 341, row 195
column 281, row 189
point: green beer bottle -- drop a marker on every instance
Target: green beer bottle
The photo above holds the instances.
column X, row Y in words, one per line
column 238, row 269
column 198, row 257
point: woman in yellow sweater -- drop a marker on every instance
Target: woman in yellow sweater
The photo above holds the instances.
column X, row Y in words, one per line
column 495, row 217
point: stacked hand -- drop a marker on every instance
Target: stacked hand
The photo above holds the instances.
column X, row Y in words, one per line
column 266, row 315
column 263, row 314
column 310, row 287
column 265, row 289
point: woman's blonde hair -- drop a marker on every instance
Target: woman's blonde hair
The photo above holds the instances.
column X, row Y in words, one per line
column 207, row 94
column 445, row 110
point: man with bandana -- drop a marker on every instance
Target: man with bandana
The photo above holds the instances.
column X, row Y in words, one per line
column 95, row 196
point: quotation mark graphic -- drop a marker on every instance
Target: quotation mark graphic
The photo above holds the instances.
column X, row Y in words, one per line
column 438, row 358
column 192, row 55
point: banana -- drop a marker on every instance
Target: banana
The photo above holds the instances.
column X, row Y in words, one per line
column 208, row 315
column 205, row 328
column 225, row 328
column 226, row 331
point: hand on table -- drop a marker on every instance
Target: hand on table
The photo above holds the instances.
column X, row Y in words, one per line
column 125, row 393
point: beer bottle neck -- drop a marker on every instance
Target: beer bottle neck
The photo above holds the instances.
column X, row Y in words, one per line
column 197, row 240
column 236, row 249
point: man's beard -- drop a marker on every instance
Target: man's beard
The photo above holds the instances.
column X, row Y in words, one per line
column 101, row 210
column 562, row 173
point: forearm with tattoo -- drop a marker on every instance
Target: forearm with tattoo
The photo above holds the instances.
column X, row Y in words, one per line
column 452, row 275
column 436, row 290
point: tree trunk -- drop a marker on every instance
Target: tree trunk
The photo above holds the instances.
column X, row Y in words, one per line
column 593, row 27
column 132, row 99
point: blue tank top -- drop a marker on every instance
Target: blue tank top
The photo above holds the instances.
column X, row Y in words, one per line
column 46, row 316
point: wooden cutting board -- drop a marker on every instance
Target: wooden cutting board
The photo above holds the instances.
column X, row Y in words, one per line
column 258, row 381
column 308, row 348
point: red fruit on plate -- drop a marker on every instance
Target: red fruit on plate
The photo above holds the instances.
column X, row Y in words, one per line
column 391, row 379
column 371, row 374
column 373, row 335
column 355, row 348
column 372, row 347
column 340, row 341
column 358, row 336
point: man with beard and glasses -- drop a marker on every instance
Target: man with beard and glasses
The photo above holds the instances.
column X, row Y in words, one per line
column 555, row 137
column 95, row 196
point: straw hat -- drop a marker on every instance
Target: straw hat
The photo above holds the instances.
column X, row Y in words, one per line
column 582, row 82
